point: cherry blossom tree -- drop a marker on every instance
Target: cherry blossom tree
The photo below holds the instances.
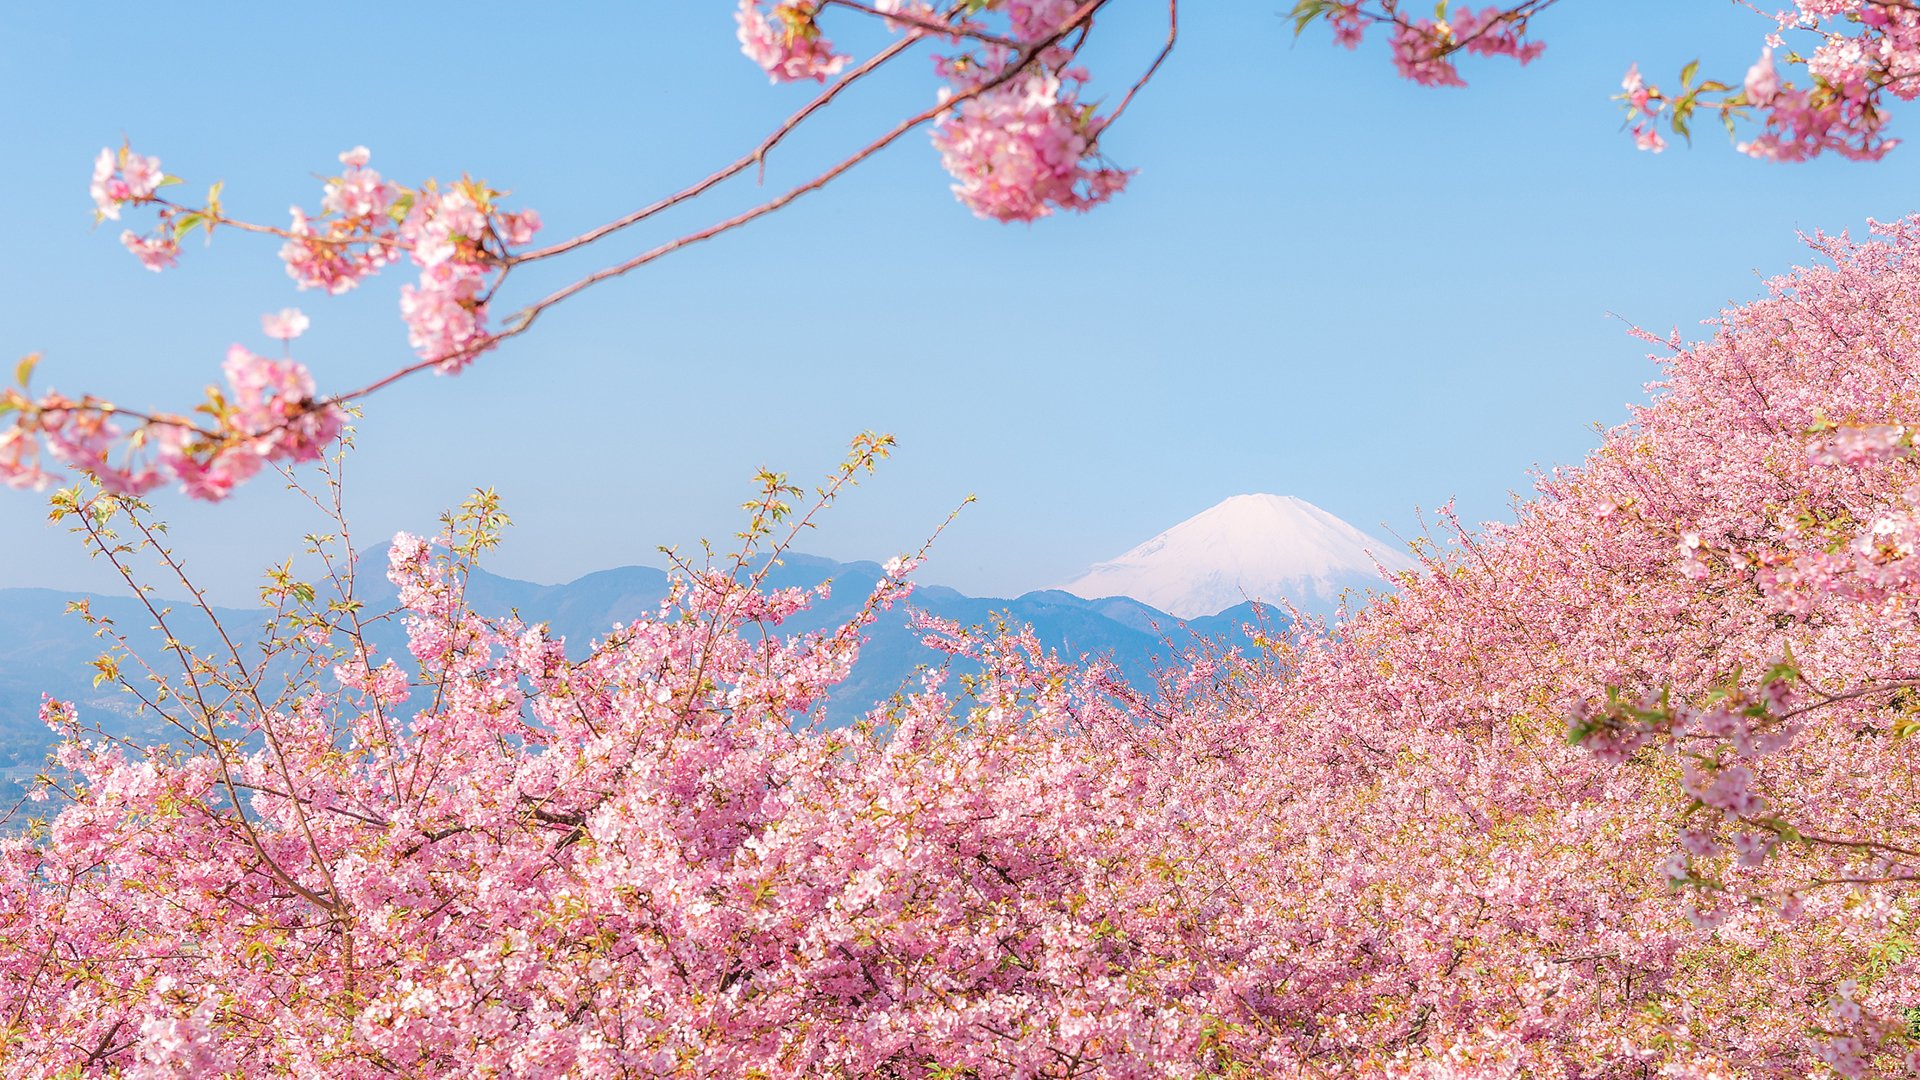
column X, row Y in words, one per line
column 1721, row 603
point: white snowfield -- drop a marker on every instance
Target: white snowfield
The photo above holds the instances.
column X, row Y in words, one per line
column 1250, row 547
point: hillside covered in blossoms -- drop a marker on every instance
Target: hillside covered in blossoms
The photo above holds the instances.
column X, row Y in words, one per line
column 1587, row 786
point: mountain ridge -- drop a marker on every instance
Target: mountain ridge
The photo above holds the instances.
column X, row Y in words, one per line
column 43, row 649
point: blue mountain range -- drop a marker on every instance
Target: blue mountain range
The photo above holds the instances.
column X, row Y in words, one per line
column 45, row 649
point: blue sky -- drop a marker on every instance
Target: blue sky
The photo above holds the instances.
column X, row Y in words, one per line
column 1323, row 282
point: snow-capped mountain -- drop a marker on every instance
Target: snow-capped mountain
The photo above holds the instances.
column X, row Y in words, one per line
column 1250, row 547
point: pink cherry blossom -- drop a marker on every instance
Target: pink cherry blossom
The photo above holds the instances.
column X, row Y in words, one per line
column 1420, row 52
column 1035, row 20
column 273, row 405
column 352, row 238
column 156, row 253
column 785, row 40
column 122, row 178
column 1859, row 57
column 359, row 192
column 285, row 325
column 518, row 229
column 1762, row 82
column 1024, row 149
column 445, row 314
column 214, row 476
column 324, row 262
column 20, row 467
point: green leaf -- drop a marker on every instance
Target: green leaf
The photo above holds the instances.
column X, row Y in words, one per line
column 24, row 369
column 186, row 223
column 1305, row 11
column 1687, row 73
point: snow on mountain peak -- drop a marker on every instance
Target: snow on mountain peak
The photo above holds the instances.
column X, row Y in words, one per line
column 1258, row 547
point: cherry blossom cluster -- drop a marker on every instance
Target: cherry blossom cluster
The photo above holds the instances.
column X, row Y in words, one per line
column 1841, row 109
column 1026, row 147
column 1424, row 47
column 1863, row 53
column 1641, row 109
column 1856, row 57
column 1014, row 131
column 1856, row 1041
column 123, row 178
column 1858, row 444
column 1018, row 141
column 786, row 41
column 354, row 236
column 268, row 412
column 458, row 237
column 1718, row 743
column 448, row 234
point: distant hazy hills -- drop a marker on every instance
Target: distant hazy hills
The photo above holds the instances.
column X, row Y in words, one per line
column 45, row 649
column 1205, row 569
